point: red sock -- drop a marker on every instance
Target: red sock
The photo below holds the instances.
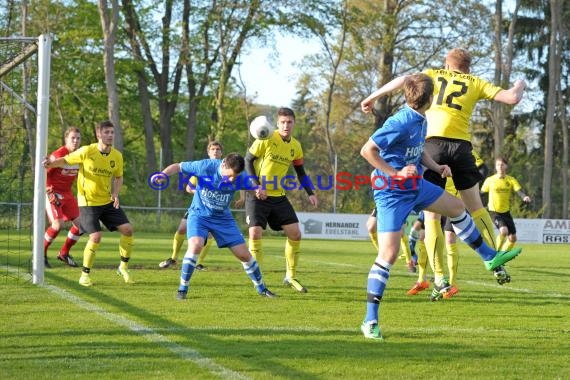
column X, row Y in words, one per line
column 49, row 237
column 72, row 238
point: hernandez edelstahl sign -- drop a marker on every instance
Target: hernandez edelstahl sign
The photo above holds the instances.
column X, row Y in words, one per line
column 353, row 227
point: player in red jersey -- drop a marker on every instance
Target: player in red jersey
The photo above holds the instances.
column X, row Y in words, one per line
column 61, row 205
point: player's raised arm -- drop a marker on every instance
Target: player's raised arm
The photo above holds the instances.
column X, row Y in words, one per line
column 395, row 84
column 168, row 171
column 513, row 95
column 52, row 162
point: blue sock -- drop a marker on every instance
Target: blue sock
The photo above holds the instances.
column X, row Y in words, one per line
column 188, row 266
column 467, row 231
column 254, row 273
column 377, row 279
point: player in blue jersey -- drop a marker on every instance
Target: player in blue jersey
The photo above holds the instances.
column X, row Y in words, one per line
column 209, row 212
column 396, row 152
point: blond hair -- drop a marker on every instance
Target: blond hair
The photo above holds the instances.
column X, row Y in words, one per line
column 458, row 59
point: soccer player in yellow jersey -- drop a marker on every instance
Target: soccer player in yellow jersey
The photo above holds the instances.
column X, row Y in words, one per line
column 267, row 163
column 500, row 187
column 448, row 140
column 99, row 181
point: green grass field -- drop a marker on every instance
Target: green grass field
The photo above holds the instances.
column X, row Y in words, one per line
column 225, row 330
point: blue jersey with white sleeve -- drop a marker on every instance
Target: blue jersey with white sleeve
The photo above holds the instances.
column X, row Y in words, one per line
column 401, row 143
column 214, row 192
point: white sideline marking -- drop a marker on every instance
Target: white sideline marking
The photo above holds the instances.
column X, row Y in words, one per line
column 185, row 353
column 151, row 335
column 478, row 283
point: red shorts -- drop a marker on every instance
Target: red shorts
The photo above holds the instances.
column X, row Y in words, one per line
column 67, row 210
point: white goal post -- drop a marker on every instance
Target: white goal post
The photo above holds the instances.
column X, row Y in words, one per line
column 14, row 58
column 42, row 117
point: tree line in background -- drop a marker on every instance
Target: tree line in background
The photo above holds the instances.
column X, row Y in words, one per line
column 167, row 73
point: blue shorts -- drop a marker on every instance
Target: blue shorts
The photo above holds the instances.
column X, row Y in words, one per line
column 224, row 229
column 395, row 206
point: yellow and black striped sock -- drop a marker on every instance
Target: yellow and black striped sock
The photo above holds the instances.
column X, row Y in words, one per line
column 89, row 255
column 435, row 243
column 452, row 261
column 125, row 250
column 256, row 249
column 177, row 245
column 484, row 224
column 292, row 248
column 422, row 260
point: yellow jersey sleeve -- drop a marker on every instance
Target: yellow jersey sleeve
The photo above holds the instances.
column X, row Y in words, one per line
column 455, row 96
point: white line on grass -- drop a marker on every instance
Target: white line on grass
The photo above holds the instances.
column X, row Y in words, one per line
column 185, row 353
column 478, row 283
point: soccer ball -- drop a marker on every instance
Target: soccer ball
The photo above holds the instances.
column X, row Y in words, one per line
column 260, row 128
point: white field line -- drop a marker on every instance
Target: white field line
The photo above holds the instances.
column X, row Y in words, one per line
column 492, row 284
column 151, row 335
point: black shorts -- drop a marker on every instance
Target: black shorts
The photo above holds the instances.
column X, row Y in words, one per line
column 374, row 213
column 275, row 211
column 91, row 216
column 458, row 155
column 504, row 219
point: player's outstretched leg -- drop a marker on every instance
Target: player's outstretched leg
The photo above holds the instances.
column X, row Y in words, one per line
column 466, row 230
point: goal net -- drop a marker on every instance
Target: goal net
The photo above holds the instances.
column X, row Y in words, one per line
column 24, row 95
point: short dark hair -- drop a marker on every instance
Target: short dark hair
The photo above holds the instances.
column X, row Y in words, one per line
column 418, row 89
column 235, row 162
column 104, row 124
column 214, row 143
column 284, row 111
column 503, row 159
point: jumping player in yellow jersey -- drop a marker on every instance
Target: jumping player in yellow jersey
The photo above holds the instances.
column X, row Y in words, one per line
column 448, row 140
column 500, row 188
column 267, row 163
column 99, row 181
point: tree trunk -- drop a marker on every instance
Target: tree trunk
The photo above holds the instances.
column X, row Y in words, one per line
column 382, row 110
column 109, row 26
column 335, row 64
column 498, row 109
column 167, row 85
column 553, row 83
column 151, row 163
column 565, row 147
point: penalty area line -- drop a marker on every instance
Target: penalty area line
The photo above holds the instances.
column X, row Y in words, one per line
column 148, row 333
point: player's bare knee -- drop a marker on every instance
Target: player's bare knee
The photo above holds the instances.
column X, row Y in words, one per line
column 95, row 237
column 56, row 225
column 255, row 233
column 126, row 229
column 294, row 235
